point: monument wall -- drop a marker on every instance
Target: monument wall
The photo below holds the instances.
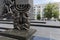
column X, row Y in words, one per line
column 1, row 6
column 31, row 15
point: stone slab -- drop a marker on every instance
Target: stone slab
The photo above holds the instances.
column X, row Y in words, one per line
column 20, row 35
column 6, row 38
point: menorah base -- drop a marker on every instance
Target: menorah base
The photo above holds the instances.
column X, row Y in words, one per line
column 20, row 35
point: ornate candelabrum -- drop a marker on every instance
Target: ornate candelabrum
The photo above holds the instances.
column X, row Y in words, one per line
column 20, row 16
column 18, row 12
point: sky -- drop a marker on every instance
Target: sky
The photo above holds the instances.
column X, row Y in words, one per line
column 44, row 1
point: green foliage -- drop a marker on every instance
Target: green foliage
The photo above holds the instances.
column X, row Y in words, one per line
column 55, row 11
column 38, row 16
column 58, row 19
column 51, row 10
column 56, row 14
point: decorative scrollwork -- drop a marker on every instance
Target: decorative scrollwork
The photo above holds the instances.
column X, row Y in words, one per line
column 19, row 14
column 23, row 7
column 21, row 17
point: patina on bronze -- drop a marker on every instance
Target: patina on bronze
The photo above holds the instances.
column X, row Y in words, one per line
column 21, row 17
column 19, row 14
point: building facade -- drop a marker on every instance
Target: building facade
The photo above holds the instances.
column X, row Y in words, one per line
column 39, row 8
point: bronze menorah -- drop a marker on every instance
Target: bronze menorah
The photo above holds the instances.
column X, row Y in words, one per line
column 19, row 14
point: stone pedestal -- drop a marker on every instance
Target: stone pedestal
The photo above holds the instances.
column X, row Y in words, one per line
column 20, row 35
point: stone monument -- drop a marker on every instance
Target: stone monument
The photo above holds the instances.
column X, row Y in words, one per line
column 18, row 10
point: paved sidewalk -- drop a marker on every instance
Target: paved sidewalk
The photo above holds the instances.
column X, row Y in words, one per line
column 47, row 24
